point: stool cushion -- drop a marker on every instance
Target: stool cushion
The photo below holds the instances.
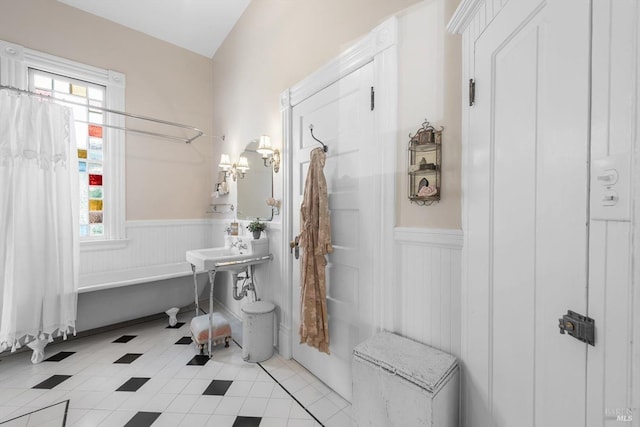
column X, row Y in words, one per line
column 200, row 328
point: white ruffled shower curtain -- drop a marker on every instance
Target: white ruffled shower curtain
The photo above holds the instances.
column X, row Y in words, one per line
column 39, row 243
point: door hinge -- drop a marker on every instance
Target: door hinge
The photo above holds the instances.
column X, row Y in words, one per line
column 373, row 98
column 578, row 326
column 472, row 92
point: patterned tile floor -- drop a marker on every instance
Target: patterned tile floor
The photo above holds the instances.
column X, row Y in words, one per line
column 149, row 374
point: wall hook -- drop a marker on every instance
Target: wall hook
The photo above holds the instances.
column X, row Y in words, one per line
column 324, row 147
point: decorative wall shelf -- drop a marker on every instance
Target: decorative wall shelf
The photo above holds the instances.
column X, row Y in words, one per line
column 425, row 163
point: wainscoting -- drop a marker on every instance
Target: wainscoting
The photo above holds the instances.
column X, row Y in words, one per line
column 427, row 291
column 142, row 276
column 150, row 243
column 425, row 295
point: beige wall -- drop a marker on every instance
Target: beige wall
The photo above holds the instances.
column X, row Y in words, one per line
column 430, row 73
column 277, row 43
column 165, row 180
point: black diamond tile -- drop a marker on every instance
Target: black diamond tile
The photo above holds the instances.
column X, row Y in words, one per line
column 125, row 338
column 184, row 340
column 176, row 326
column 128, row 358
column 52, row 381
column 60, row 356
column 142, row 419
column 199, row 360
column 247, row 421
column 133, row 384
column 217, row 388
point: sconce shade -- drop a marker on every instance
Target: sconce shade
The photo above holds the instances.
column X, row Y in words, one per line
column 264, row 147
column 225, row 162
column 243, row 164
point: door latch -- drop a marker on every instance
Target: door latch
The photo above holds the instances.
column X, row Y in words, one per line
column 293, row 246
column 578, row 326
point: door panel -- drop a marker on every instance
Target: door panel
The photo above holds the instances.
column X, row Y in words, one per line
column 342, row 119
column 526, row 199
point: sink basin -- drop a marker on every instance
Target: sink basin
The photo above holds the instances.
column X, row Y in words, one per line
column 237, row 254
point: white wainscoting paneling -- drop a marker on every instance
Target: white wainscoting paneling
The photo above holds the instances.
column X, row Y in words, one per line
column 149, row 243
column 615, row 97
column 427, row 286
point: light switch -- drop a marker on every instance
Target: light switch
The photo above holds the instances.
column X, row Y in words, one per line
column 608, row 177
column 610, row 188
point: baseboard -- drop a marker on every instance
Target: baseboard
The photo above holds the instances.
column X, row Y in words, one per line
column 223, row 308
column 284, row 342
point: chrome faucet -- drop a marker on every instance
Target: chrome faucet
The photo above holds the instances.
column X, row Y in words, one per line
column 239, row 244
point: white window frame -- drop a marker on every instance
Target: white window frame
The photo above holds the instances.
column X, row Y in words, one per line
column 15, row 62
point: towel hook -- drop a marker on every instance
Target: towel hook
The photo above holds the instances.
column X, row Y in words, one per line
column 324, row 147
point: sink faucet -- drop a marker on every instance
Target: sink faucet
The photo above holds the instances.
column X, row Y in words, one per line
column 239, row 244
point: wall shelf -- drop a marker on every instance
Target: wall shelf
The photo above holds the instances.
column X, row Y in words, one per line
column 425, row 164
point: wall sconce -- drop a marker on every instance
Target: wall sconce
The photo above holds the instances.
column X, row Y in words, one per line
column 233, row 170
column 270, row 156
column 275, row 205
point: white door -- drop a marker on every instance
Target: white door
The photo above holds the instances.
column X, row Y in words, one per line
column 342, row 119
column 527, row 226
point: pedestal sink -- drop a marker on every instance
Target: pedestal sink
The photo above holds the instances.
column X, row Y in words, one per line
column 236, row 256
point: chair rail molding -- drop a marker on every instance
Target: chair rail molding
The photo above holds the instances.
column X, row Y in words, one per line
column 445, row 238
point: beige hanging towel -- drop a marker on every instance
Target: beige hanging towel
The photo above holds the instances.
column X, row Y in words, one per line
column 315, row 239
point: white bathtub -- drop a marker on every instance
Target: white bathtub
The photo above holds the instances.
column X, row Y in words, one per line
column 118, row 296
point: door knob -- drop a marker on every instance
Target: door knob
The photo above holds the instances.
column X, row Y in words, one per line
column 293, row 245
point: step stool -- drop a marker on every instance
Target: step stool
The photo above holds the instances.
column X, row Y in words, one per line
column 220, row 330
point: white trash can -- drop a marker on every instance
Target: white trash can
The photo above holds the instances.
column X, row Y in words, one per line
column 257, row 331
column 400, row 382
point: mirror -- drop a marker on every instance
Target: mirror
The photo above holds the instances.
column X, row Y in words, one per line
column 256, row 187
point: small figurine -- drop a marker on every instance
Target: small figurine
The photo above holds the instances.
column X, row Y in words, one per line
column 428, row 191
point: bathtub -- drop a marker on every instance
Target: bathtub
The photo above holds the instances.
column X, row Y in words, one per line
column 118, row 296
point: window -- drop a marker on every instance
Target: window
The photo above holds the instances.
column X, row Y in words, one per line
column 100, row 148
column 89, row 139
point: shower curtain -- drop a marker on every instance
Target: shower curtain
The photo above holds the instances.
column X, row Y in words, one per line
column 39, row 248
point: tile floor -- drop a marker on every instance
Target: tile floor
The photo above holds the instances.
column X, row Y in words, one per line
column 149, row 374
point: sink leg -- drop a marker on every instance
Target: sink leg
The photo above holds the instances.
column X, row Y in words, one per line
column 195, row 287
column 212, row 276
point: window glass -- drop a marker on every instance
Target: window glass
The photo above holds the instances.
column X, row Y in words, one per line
column 82, row 96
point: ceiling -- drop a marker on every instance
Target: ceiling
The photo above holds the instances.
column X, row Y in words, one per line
column 197, row 25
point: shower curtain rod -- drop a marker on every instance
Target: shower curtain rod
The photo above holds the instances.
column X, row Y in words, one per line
column 199, row 132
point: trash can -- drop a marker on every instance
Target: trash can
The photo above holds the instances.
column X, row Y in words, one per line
column 257, row 331
column 400, row 382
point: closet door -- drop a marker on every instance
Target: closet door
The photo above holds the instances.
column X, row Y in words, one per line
column 526, row 203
